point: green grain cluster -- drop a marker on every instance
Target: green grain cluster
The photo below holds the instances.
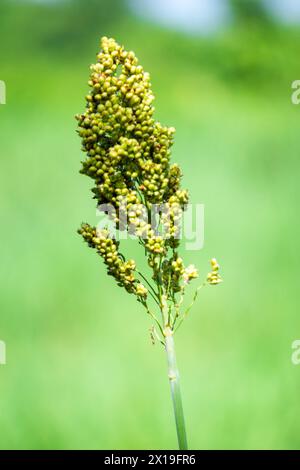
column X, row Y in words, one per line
column 128, row 158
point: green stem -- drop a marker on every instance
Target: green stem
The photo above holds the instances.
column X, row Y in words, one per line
column 173, row 375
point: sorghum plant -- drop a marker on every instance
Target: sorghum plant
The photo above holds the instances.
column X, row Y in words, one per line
column 128, row 158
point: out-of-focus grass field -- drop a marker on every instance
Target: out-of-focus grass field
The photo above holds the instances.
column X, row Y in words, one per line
column 81, row 371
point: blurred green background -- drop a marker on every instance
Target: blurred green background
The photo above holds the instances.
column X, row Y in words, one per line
column 81, row 371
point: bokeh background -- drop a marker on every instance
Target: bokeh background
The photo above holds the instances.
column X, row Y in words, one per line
column 81, row 371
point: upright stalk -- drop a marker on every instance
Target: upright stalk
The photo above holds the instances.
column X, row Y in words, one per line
column 128, row 158
column 173, row 375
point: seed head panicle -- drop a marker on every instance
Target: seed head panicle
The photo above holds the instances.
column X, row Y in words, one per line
column 128, row 158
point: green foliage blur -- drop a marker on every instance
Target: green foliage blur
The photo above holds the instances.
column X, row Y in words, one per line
column 81, row 371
